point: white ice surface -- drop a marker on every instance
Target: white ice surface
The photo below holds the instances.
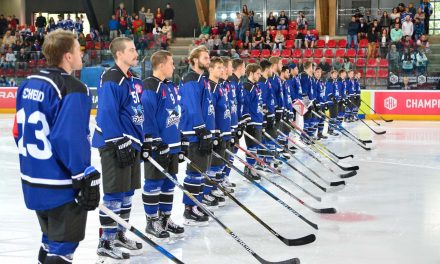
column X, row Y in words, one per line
column 388, row 213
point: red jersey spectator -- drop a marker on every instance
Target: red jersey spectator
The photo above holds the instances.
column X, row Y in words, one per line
column 158, row 18
column 121, row 11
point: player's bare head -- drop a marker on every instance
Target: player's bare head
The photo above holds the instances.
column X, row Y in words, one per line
column 277, row 64
column 124, row 51
column 342, row 74
column 317, row 73
column 253, row 72
column 227, row 64
column 293, row 69
column 285, row 72
column 357, row 74
column 266, row 68
column 350, row 74
column 239, row 67
column 199, row 58
column 162, row 62
column 334, row 74
column 216, row 68
column 61, row 49
column 308, row 67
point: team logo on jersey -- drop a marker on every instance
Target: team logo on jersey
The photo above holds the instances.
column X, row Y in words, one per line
column 260, row 108
column 233, row 108
column 173, row 117
column 138, row 117
column 227, row 114
column 211, row 109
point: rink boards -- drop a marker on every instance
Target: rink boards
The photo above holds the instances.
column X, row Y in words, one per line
column 391, row 104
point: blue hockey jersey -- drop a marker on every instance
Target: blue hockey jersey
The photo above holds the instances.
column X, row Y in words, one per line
column 295, row 89
column 287, row 97
column 120, row 110
column 356, row 87
column 307, row 86
column 161, row 112
column 222, row 111
column 78, row 26
column 342, row 89
column 232, row 102
column 277, row 91
column 53, row 113
column 331, row 90
column 267, row 96
column 69, row 24
column 237, row 85
column 196, row 105
column 319, row 88
column 253, row 103
column 349, row 84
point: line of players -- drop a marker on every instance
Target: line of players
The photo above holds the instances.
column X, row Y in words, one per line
column 136, row 120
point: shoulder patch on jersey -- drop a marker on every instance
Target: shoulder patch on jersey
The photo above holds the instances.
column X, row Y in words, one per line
column 112, row 75
column 73, row 85
column 190, row 77
column 152, row 84
column 248, row 86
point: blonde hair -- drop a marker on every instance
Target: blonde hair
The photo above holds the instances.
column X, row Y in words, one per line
column 195, row 53
column 56, row 44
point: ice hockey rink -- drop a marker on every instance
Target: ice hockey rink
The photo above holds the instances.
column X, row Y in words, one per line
column 388, row 213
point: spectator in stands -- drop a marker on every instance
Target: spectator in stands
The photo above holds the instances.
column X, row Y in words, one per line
column 405, row 14
column 421, row 61
column 301, row 20
column 14, row 22
column 423, row 42
column 395, row 14
column 279, row 40
column 3, row 24
column 358, row 15
column 52, row 26
column 237, row 25
column 385, row 22
column 234, row 54
column 258, row 41
column 282, row 21
column 149, row 21
column 252, row 24
column 353, row 29
column 2, row 61
column 372, row 41
column 224, row 47
column 384, row 42
column 141, row 41
column 348, row 65
column 137, row 25
column 325, row 66
column 401, row 7
column 205, row 30
column 419, row 29
column 113, row 27
column 8, row 38
column 427, row 10
column 407, row 27
column 244, row 22
column 367, row 17
column 271, row 22
column 167, row 29
column 393, row 58
column 22, row 59
column 337, row 64
column 412, row 9
column 17, row 45
column 229, row 36
column 309, row 40
column 247, row 41
column 123, row 26
column 168, row 13
column 157, row 31
column 158, row 18
column 407, row 62
column 407, row 43
column 12, row 83
column 397, row 21
column 396, row 33
column 121, row 11
column 10, row 59
column 363, row 29
column 142, row 14
column 82, row 41
column 405, row 83
column 41, row 24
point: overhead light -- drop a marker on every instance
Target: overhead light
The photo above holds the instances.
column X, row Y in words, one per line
column 224, row 16
column 233, row 15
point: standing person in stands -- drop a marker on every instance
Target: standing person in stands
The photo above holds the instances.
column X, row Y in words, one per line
column 149, row 21
column 158, row 18
column 385, row 22
column 353, row 29
column 121, row 11
column 113, row 27
column 427, row 9
column 168, row 13
column 41, row 23
column 372, row 41
column 244, row 26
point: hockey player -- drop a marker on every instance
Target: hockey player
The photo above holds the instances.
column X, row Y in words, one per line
column 308, row 96
column 222, row 133
column 162, row 143
column 69, row 23
column 332, row 95
column 118, row 137
column 295, row 86
column 357, row 95
column 197, row 124
column 53, row 112
column 238, row 124
column 253, row 107
column 321, row 101
column 349, row 82
column 287, row 103
column 342, row 88
column 78, row 26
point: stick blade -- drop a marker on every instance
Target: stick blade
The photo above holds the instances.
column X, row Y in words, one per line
column 380, row 132
column 337, row 183
column 348, row 156
column 367, row 141
column 289, row 261
column 388, row 121
column 300, row 241
column 327, row 211
column 348, row 175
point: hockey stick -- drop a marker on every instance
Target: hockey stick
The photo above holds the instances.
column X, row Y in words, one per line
column 229, row 231
column 339, row 183
column 343, row 176
column 138, row 233
column 376, row 112
column 261, row 187
column 348, row 134
column 277, row 172
column 290, row 242
column 378, row 133
column 374, row 121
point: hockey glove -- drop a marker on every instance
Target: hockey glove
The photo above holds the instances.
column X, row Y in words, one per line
column 278, row 115
column 161, row 152
column 88, row 184
column 183, row 149
column 125, row 153
column 147, row 148
column 270, row 122
column 205, row 140
column 241, row 128
column 217, row 143
column 232, row 142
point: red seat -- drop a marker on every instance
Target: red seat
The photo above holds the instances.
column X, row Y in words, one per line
column 284, row 33
column 362, row 53
column 342, row 43
column 32, row 63
column 383, row 63
column 372, row 63
column 290, row 44
column 318, row 54
column 329, row 61
column 41, row 63
column 276, row 53
column 286, row 53
column 307, row 53
column 255, row 53
column 360, row 63
column 252, row 61
column 340, row 53
column 264, row 54
column 363, row 43
column 273, row 33
column 297, row 54
column 329, row 53
column 316, row 61
column 293, row 25
column 315, row 33
column 320, row 43
column 371, row 73
column 382, row 73
column 21, row 73
column 295, row 61
column 331, row 43
column 9, row 73
column 285, row 61
column 351, row 53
